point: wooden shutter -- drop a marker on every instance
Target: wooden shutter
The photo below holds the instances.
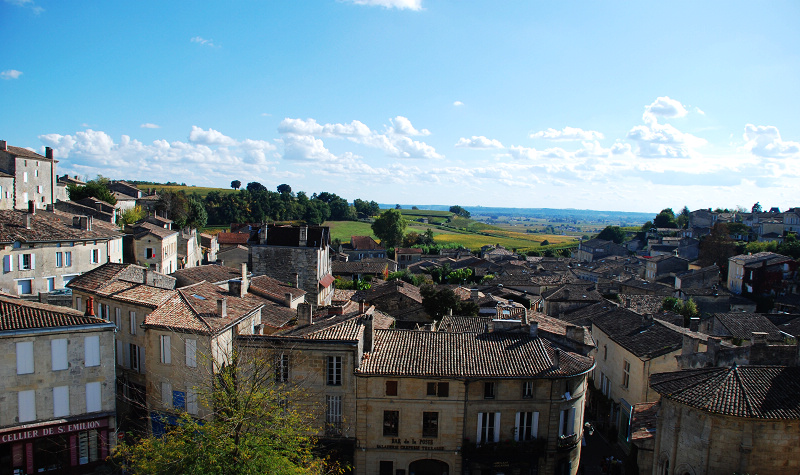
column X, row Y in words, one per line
column 61, row 401
column 58, row 354
column 91, row 345
column 93, row 400
column 24, row 357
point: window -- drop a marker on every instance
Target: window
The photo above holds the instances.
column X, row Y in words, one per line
column 334, row 371
column 488, row 390
column 166, row 353
column 527, row 389
column 25, row 357
column 439, row 389
column 67, row 258
column 605, row 352
column 527, row 426
column 191, row 353
column 626, row 373
column 59, row 259
column 386, row 467
column 118, row 318
column 91, row 347
column 51, row 283
column 430, row 424
column 93, row 400
column 149, row 253
column 179, row 400
column 27, row 405
column 133, row 352
column 391, row 388
column 8, row 263
column 25, row 180
column 191, row 401
column 133, row 322
column 488, row 422
column 24, row 286
column 95, row 256
column 78, row 303
column 38, row 187
column 566, row 422
column 333, row 413
column 166, row 394
column 391, row 420
column 61, row 401
column 58, row 354
column 27, row 261
column 282, row 368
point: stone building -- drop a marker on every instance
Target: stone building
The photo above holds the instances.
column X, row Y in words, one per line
column 569, row 297
column 42, row 251
column 363, row 247
column 27, row 176
column 739, row 419
column 155, row 246
column 296, row 254
column 190, row 254
column 763, row 273
column 57, row 406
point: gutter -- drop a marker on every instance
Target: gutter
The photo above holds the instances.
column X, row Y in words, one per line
column 71, row 328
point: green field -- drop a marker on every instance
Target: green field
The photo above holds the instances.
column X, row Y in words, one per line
column 200, row 190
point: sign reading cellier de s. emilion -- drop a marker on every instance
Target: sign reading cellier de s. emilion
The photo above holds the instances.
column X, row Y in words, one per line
column 66, row 428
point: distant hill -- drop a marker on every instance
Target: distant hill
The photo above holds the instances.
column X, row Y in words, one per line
column 545, row 213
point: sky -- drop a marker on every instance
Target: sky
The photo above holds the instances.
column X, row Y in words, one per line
column 626, row 106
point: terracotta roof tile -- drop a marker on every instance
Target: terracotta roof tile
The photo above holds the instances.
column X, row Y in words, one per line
column 646, row 340
column 365, row 243
column 16, row 314
column 50, row 227
column 210, row 273
column 25, row 153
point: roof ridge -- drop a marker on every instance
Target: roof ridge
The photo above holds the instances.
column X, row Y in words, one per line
column 738, row 379
column 196, row 313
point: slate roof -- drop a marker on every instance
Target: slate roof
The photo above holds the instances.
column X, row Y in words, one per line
column 760, row 392
column 742, row 325
column 644, row 340
column 469, row 355
column 210, row 273
column 365, row 243
column 25, row 153
column 16, row 314
column 50, row 227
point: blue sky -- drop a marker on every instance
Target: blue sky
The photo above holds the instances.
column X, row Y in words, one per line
column 594, row 105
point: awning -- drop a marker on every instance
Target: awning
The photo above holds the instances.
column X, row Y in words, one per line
column 326, row 281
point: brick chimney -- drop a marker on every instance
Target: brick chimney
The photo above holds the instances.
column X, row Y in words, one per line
column 287, row 299
column 304, row 314
column 222, row 307
column 89, row 307
column 3, row 146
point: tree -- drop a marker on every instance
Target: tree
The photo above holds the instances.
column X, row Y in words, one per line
column 284, row 189
column 756, row 208
column 236, row 184
column 459, row 211
column 683, row 218
column 256, row 425
column 389, row 228
column 97, row 188
column 397, row 206
column 131, row 215
column 255, row 186
column 196, row 215
column 717, row 247
column 613, row 233
column 665, row 219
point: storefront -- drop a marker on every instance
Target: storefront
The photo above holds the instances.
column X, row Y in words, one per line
column 74, row 447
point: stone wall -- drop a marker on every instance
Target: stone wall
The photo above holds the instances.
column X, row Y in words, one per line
column 304, row 265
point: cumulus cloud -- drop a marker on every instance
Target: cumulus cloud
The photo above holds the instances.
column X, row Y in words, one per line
column 202, row 41
column 148, row 125
column 28, row 4
column 415, row 5
column 478, row 142
column 209, row 137
column 765, row 141
column 567, row 133
column 402, row 126
column 657, row 140
column 663, row 107
column 305, row 147
column 311, row 127
column 10, row 74
column 522, row 153
column 458, row 103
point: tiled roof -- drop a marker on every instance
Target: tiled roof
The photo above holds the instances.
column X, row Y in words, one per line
column 459, row 324
column 358, row 267
column 118, row 282
column 762, row 392
column 558, row 327
column 348, row 326
column 629, row 330
column 573, row 293
column 210, row 273
column 365, row 243
column 642, row 304
column 643, row 423
column 584, row 315
column 469, row 355
column 341, row 295
column 143, row 229
column 408, row 250
column 316, row 236
column 50, row 227
column 380, row 290
column 16, row 314
column 273, row 288
column 742, row 325
column 233, row 238
column 770, row 257
column 648, row 286
column 25, row 153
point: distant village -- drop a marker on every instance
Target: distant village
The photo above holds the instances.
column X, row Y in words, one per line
column 670, row 350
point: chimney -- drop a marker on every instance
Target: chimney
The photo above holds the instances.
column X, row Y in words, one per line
column 759, row 338
column 85, row 223
column 304, row 316
column 694, row 324
column 48, row 152
column 287, row 299
column 361, row 306
column 295, row 280
column 3, row 146
column 627, row 302
column 149, row 277
column 262, row 234
column 474, row 294
column 369, row 333
column 89, row 307
column 222, row 307
column 647, row 319
column 303, row 241
column 31, row 207
column 99, row 206
column 557, row 358
column 690, row 345
column 712, row 349
column 575, row 333
column 244, row 283
column 534, row 330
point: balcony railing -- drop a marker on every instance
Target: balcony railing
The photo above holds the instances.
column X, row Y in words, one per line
column 568, row 442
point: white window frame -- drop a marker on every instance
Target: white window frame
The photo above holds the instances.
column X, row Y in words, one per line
column 333, row 412
column 488, row 427
column 67, row 258
column 566, row 422
column 334, row 371
column 526, row 424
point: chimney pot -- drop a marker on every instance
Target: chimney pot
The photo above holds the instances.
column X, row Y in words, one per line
column 89, row 307
column 222, row 307
column 48, row 152
column 304, row 314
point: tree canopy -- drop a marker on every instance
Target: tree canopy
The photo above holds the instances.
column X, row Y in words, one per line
column 613, row 233
column 236, row 184
column 97, row 188
column 284, row 188
column 459, row 211
column 389, row 228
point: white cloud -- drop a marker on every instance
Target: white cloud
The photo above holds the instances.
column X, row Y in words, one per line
column 458, row 103
column 402, row 126
column 699, row 111
column 765, row 141
column 209, row 137
column 657, row 140
column 663, row 107
column 311, row 127
column 478, row 142
column 202, row 41
column 415, row 5
column 567, row 133
column 26, row 3
column 305, row 147
column 10, row 74
column 148, row 125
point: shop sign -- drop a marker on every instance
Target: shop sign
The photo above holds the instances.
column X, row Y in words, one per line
column 67, row 428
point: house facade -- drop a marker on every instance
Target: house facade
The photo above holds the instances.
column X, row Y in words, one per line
column 33, row 175
column 155, row 246
column 57, row 408
column 763, row 273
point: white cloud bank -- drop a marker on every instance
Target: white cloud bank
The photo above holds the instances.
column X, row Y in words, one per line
column 10, row 74
column 567, row 133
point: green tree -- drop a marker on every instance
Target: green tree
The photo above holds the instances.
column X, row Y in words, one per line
column 284, row 189
column 613, row 233
column 665, row 219
column 236, row 184
column 756, row 208
column 438, row 303
column 717, row 247
column 459, row 211
column 97, row 188
column 256, row 426
column 131, row 215
column 683, row 219
column 389, row 228
column 255, row 186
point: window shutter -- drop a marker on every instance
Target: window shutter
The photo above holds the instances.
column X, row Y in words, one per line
column 561, row 423
column 60, row 401
column 478, row 439
column 93, row 397
column 166, row 357
column 25, row 357
column 191, row 353
column 8, row 263
column 27, row 405
column 141, row 360
column 535, row 428
column 91, row 345
column 517, row 428
column 58, row 354
column 571, row 422
column 497, row 427
column 21, row 261
column 133, row 322
column 33, row 261
column 191, row 401
column 120, row 356
column 166, row 394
